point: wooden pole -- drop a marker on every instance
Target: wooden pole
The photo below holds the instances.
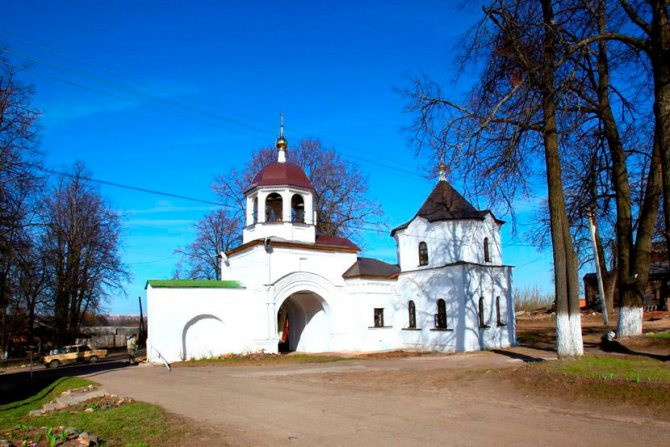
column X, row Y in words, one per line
column 601, row 288
column 140, row 336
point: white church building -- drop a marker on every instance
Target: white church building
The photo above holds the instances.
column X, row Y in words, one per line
column 287, row 288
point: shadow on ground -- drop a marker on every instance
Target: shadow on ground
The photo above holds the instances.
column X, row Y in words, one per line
column 518, row 356
column 17, row 385
column 618, row 348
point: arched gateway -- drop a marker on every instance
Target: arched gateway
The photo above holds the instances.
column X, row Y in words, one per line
column 302, row 314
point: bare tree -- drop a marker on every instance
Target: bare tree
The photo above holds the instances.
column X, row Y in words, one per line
column 651, row 20
column 623, row 171
column 81, row 242
column 510, row 128
column 18, row 185
column 217, row 232
column 621, row 148
column 562, row 88
column 33, row 281
column 340, row 188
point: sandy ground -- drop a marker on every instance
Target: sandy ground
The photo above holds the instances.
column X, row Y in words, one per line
column 454, row 400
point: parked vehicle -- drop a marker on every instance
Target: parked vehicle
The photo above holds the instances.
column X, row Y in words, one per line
column 74, row 354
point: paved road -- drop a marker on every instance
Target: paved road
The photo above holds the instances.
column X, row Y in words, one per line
column 432, row 400
column 17, row 383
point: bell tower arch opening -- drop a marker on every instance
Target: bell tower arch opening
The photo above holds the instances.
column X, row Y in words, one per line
column 297, row 209
column 273, row 208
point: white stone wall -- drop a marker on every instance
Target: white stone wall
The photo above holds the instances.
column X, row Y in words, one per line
column 448, row 242
column 460, row 286
column 340, row 314
column 189, row 323
column 355, row 328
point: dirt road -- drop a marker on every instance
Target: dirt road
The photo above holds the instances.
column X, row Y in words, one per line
column 456, row 400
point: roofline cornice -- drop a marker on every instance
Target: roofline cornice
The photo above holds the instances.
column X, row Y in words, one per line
column 287, row 244
column 273, row 187
column 460, row 263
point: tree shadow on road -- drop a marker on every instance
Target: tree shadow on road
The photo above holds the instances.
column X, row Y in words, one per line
column 518, row 356
column 616, row 347
column 18, row 385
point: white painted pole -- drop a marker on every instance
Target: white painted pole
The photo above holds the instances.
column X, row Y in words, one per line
column 601, row 288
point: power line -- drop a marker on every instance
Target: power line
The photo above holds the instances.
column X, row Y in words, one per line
column 167, row 101
column 221, row 204
column 169, row 194
column 136, row 188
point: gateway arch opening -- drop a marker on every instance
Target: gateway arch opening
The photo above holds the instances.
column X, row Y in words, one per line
column 302, row 324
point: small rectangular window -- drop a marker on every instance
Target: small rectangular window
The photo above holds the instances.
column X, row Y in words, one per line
column 379, row 317
column 441, row 315
column 499, row 319
column 482, row 320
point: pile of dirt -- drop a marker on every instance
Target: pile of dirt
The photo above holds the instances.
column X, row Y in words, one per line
column 98, row 404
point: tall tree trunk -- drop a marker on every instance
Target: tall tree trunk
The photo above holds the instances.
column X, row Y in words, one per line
column 568, row 318
column 4, row 302
column 659, row 54
column 620, row 182
column 632, row 300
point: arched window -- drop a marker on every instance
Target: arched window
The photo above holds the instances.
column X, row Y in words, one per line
column 273, row 208
column 499, row 319
column 441, row 315
column 423, row 253
column 482, row 320
column 487, row 255
column 254, row 211
column 411, row 308
column 297, row 209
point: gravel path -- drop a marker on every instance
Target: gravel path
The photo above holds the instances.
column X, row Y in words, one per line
column 430, row 400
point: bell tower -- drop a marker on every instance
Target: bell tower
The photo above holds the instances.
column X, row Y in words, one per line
column 280, row 200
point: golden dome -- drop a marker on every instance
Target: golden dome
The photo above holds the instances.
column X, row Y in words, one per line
column 281, row 143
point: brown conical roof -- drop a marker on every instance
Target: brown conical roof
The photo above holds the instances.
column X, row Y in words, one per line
column 281, row 174
column 445, row 203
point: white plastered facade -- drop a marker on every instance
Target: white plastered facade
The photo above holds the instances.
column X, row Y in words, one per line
column 283, row 272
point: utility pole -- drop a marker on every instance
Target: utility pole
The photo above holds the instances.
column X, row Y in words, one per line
column 601, row 288
column 141, row 337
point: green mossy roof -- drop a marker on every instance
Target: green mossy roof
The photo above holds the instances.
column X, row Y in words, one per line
column 193, row 283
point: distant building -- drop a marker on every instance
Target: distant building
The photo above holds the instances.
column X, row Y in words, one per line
column 287, row 288
column 656, row 296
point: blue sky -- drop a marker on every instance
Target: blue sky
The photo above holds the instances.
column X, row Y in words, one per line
column 167, row 95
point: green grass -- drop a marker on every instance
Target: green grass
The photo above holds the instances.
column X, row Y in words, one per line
column 137, row 422
column 262, row 359
column 133, row 424
column 193, row 283
column 15, row 412
column 631, row 369
column 661, row 335
column 631, row 381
